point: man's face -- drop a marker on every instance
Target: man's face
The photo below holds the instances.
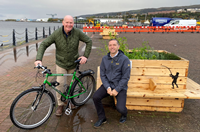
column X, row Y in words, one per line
column 68, row 24
column 113, row 47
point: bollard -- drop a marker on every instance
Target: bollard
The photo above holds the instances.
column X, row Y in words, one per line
column 76, row 22
column 49, row 31
column 54, row 28
column 14, row 44
column 43, row 32
column 36, row 38
column 26, row 35
column 58, row 26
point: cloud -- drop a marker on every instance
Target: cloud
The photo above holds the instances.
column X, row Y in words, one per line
column 39, row 8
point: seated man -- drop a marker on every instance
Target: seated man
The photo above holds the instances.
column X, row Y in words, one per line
column 115, row 74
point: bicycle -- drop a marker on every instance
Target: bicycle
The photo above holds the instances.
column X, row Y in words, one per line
column 33, row 107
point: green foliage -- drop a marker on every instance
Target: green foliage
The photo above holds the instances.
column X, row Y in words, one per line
column 146, row 52
column 143, row 52
column 10, row 20
column 55, row 20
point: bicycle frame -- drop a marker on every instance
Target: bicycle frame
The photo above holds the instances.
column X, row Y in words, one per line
column 68, row 93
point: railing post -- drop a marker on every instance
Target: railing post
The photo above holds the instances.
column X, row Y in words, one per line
column 43, row 32
column 36, row 38
column 76, row 22
column 49, row 31
column 26, row 35
column 14, row 43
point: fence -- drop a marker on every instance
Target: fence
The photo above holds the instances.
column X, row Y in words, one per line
column 147, row 29
column 16, row 38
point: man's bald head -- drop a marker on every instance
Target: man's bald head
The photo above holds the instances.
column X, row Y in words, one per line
column 68, row 17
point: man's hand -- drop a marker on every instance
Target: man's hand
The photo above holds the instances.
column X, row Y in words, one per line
column 109, row 91
column 114, row 92
column 38, row 62
column 83, row 59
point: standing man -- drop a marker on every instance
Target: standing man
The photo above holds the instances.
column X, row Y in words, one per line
column 115, row 74
column 66, row 41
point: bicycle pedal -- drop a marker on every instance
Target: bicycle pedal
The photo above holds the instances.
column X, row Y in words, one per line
column 68, row 111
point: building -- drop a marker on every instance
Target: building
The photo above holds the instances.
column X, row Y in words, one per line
column 42, row 20
column 192, row 10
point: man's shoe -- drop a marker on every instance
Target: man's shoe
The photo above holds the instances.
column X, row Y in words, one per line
column 100, row 122
column 59, row 111
column 122, row 119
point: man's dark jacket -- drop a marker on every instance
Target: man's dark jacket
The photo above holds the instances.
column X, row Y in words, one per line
column 66, row 47
column 115, row 72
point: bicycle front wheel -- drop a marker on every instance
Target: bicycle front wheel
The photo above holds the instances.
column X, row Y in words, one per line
column 28, row 111
column 85, row 93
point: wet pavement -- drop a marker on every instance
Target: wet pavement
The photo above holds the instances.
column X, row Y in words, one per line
column 17, row 74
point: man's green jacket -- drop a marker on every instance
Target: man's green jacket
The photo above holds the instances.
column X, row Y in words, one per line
column 66, row 47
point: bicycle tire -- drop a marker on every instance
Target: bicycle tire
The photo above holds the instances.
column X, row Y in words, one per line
column 22, row 112
column 89, row 83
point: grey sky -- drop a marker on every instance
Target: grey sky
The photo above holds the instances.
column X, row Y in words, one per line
column 18, row 9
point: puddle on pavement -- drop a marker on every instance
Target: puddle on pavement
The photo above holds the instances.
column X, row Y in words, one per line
column 18, row 56
column 80, row 118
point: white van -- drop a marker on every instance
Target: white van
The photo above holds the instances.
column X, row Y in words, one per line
column 182, row 23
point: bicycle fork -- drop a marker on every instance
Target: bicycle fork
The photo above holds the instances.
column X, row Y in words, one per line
column 37, row 100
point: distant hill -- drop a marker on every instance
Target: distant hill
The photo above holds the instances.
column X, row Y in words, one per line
column 143, row 10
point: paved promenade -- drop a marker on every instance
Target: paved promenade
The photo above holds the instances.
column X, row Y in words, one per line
column 17, row 74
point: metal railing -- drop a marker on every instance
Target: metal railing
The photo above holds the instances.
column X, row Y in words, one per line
column 17, row 38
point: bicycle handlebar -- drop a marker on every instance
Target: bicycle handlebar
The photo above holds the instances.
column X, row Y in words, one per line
column 77, row 61
column 40, row 67
column 49, row 71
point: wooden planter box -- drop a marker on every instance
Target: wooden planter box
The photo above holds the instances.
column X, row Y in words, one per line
column 106, row 33
column 150, row 86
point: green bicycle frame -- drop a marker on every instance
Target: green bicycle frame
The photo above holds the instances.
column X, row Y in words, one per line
column 68, row 93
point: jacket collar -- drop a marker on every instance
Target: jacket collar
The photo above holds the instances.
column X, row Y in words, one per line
column 69, row 32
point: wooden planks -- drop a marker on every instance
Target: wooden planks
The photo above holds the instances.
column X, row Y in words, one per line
column 107, row 32
column 140, row 71
column 192, row 91
column 99, row 83
column 154, row 102
column 159, row 63
column 152, row 108
column 158, row 79
column 149, row 104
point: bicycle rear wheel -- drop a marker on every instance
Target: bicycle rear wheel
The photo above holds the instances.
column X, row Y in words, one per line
column 88, row 83
column 27, row 112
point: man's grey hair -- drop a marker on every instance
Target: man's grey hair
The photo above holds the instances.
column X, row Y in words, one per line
column 115, row 40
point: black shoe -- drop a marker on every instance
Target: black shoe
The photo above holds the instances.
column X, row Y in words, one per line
column 122, row 119
column 100, row 122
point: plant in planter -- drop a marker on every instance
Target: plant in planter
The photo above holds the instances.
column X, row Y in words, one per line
column 143, row 52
